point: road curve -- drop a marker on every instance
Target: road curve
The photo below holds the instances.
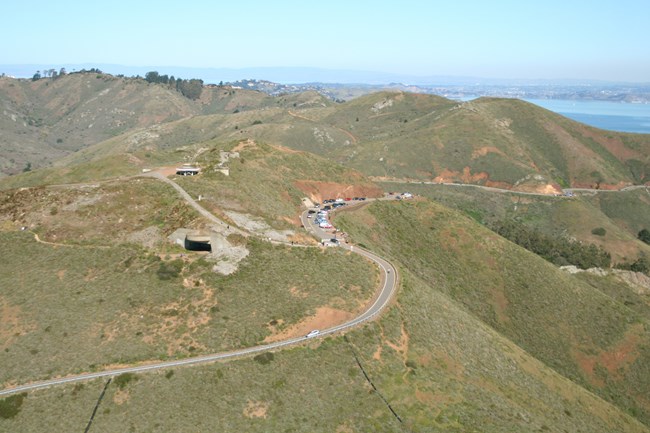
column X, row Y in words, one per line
column 389, row 281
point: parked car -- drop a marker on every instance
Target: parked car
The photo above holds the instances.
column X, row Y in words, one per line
column 313, row 333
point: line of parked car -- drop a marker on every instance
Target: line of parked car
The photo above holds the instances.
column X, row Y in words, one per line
column 320, row 216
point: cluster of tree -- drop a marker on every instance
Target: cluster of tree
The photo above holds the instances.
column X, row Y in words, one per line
column 644, row 236
column 557, row 250
column 52, row 73
column 642, row 264
column 48, row 73
column 189, row 88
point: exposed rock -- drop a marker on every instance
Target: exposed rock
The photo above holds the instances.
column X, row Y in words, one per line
column 259, row 227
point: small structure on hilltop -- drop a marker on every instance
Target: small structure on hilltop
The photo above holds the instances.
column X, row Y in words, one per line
column 188, row 170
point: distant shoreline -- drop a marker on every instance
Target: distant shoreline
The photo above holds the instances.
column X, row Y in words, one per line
column 612, row 116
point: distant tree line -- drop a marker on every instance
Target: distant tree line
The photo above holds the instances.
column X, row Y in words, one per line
column 52, row 73
column 556, row 249
column 48, row 73
column 189, row 88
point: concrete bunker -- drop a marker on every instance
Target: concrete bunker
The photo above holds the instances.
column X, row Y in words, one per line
column 197, row 242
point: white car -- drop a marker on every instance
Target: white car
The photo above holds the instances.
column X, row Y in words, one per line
column 313, row 333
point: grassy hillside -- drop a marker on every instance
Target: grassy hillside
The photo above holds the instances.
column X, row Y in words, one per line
column 621, row 214
column 500, row 142
column 271, row 182
column 573, row 328
column 47, row 119
column 487, row 141
column 93, row 281
column 433, row 363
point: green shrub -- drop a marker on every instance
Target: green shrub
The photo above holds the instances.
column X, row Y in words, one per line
column 644, row 236
column 123, row 379
column 599, row 231
column 10, row 406
column 264, row 358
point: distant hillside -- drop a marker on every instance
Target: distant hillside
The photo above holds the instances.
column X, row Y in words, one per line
column 388, row 135
column 44, row 120
column 499, row 142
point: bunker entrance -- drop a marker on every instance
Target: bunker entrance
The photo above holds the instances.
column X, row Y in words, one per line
column 198, row 243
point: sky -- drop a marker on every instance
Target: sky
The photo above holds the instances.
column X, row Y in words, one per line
column 550, row 39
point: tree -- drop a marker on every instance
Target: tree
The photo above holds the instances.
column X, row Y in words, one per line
column 644, row 236
column 191, row 89
column 37, row 76
column 152, row 77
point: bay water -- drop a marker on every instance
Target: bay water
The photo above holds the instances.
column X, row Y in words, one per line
column 613, row 116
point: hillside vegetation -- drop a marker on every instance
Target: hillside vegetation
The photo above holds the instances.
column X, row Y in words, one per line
column 577, row 330
column 621, row 214
column 499, row 142
column 481, row 335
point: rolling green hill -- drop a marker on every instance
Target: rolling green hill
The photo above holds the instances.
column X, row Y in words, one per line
column 481, row 336
column 438, row 359
column 497, row 142
column 621, row 214
column 573, row 328
column 47, row 119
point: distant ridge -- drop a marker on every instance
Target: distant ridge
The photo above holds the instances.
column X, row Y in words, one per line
column 289, row 75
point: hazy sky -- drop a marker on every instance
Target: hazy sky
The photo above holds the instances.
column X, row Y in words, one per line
column 595, row 39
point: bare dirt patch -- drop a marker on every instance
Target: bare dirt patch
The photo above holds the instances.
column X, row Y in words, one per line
column 377, row 355
column 401, row 346
column 12, row 324
column 424, row 397
column 244, row 144
column 166, row 171
column 614, row 145
column 325, row 317
column 616, row 360
column 121, row 396
column 297, row 293
column 256, row 409
column 319, row 191
column 485, row 150
column 284, row 149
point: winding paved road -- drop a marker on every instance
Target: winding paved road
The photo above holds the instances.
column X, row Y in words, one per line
column 510, row 191
column 389, row 281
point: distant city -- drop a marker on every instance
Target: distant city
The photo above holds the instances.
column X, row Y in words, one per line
column 627, row 93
